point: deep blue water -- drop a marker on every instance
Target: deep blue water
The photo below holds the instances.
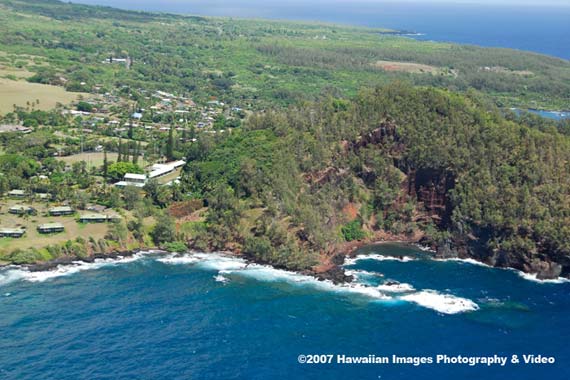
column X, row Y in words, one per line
column 210, row 317
column 542, row 29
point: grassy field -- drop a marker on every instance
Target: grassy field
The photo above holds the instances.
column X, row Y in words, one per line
column 408, row 67
column 94, row 159
column 20, row 92
column 14, row 72
column 170, row 177
column 34, row 239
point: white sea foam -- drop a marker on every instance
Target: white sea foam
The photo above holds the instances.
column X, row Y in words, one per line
column 527, row 276
column 236, row 266
column 8, row 276
column 226, row 266
column 534, row 278
column 443, row 303
column 377, row 257
column 424, row 248
column 23, row 274
column 396, row 288
column 219, row 262
column 466, row 261
column 362, row 273
column 178, row 259
column 221, row 278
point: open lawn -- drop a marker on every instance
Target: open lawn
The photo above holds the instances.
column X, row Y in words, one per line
column 94, row 159
column 20, row 92
column 170, row 176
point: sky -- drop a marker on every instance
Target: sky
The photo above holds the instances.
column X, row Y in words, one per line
column 229, row 2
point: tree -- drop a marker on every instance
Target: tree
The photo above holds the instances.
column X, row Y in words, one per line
column 132, row 196
column 117, row 170
column 164, row 230
column 120, row 150
column 170, row 145
column 105, row 166
column 84, row 107
column 117, row 231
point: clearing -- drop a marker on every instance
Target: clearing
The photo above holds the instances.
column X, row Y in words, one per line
column 408, row 67
column 95, row 159
column 20, row 92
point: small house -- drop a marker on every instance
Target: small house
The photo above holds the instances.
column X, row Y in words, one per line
column 60, row 211
column 17, row 194
column 43, row 196
column 132, row 179
column 21, row 210
column 50, row 228
column 12, row 232
column 97, row 218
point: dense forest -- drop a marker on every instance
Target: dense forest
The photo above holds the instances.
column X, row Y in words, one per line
column 406, row 159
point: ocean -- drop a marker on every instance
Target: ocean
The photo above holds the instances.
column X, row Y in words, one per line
column 541, row 29
column 210, row 316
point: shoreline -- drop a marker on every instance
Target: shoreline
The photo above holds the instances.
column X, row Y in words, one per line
column 334, row 273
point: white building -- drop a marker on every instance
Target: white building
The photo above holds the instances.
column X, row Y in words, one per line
column 132, row 179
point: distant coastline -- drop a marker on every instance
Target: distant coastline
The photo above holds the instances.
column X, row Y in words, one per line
column 538, row 29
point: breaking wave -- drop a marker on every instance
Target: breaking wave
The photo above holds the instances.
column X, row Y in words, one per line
column 13, row 274
column 233, row 266
column 443, row 303
column 227, row 266
column 377, row 257
column 534, row 278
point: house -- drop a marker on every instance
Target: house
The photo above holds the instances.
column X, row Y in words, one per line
column 96, row 208
column 50, row 228
column 59, row 211
column 12, row 232
column 42, row 196
column 158, row 170
column 21, row 210
column 97, row 218
column 132, row 179
column 14, row 128
column 17, row 194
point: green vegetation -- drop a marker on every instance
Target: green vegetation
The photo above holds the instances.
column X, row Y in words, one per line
column 294, row 145
column 255, row 62
column 353, row 231
column 416, row 159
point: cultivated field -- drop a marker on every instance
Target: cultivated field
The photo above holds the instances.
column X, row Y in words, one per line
column 20, row 92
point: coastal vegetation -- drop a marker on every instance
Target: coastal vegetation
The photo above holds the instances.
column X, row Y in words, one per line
column 291, row 141
column 257, row 62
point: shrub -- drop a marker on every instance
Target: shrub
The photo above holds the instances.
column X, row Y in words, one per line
column 353, row 231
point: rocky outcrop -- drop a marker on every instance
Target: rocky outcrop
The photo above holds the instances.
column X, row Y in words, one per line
column 474, row 246
column 431, row 189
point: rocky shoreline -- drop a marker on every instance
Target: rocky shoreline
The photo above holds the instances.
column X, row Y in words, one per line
column 330, row 267
column 53, row 264
column 470, row 248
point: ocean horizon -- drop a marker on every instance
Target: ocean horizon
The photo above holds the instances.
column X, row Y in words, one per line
column 540, row 29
